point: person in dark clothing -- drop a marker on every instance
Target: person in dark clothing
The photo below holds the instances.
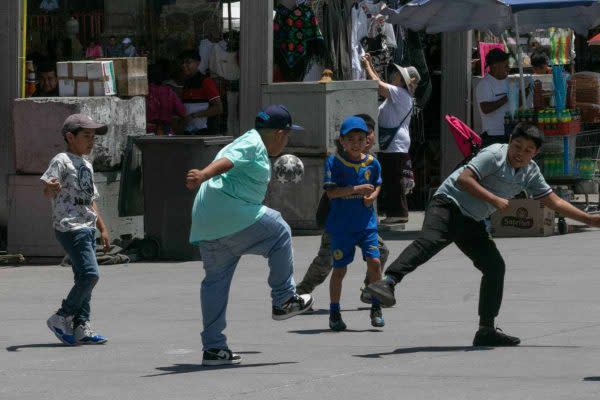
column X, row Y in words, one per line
column 200, row 95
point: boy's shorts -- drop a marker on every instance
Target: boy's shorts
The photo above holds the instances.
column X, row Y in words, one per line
column 343, row 246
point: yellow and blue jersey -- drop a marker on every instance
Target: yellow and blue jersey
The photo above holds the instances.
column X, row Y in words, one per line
column 349, row 214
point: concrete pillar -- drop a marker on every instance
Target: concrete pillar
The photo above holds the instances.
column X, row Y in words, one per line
column 456, row 92
column 256, row 58
column 10, row 39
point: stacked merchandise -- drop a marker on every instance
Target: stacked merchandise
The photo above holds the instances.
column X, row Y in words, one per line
column 131, row 75
column 86, row 78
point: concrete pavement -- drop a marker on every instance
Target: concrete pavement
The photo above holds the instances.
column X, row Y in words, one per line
column 151, row 314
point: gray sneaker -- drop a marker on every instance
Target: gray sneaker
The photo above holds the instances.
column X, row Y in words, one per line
column 382, row 290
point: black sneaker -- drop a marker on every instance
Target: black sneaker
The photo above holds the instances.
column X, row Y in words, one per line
column 335, row 322
column 494, row 338
column 298, row 304
column 382, row 290
column 377, row 317
column 220, row 357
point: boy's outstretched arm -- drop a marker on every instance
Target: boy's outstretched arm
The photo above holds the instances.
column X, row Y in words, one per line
column 468, row 182
column 553, row 202
column 196, row 177
column 102, row 228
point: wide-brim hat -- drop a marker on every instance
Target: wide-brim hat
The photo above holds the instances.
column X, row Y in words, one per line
column 410, row 76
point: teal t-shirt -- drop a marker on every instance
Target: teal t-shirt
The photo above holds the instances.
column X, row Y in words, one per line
column 232, row 201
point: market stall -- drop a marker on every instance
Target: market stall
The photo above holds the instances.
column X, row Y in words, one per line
column 565, row 107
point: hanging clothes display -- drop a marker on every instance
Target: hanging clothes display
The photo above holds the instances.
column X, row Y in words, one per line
column 380, row 41
column 337, row 17
column 414, row 55
column 562, row 44
column 297, row 39
column 360, row 29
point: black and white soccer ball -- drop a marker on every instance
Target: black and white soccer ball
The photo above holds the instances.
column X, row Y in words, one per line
column 288, row 169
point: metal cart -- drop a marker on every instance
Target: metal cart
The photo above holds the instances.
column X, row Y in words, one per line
column 571, row 166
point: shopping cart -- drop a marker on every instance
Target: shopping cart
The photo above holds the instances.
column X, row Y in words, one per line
column 571, row 167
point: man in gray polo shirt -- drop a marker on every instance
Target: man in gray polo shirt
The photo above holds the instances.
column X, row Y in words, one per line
column 456, row 213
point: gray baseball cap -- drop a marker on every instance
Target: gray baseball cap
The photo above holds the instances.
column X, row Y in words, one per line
column 77, row 121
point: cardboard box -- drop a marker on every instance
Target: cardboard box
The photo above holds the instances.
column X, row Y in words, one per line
column 66, row 87
column 86, row 79
column 131, row 74
column 523, row 218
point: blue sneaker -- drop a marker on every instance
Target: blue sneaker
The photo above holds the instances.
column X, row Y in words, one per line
column 335, row 322
column 84, row 334
column 62, row 328
column 377, row 317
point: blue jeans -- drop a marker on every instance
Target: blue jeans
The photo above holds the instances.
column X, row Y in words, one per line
column 80, row 246
column 269, row 237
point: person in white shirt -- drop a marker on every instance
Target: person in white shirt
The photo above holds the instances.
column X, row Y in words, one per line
column 492, row 97
column 394, row 138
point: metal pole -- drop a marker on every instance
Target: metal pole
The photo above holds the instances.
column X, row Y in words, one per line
column 229, row 22
column 520, row 62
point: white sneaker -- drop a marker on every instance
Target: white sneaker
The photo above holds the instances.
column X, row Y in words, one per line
column 297, row 304
column 62, row 328
column 84, row 334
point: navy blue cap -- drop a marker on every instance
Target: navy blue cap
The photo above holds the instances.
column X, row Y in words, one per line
column 275, row 117
column 353, row 124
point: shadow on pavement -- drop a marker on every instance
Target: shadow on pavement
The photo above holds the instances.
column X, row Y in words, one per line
column 444, row 349
column 187, row 368
column 592, row 379
column 319, row 331
column 323, row 311
column 427, row 349
column 36, row 346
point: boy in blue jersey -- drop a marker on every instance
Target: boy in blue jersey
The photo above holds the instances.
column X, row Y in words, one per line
column 352, row 182
column 321, row 266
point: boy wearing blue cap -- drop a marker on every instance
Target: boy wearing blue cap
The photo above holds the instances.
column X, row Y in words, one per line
column 229, row 220
column 352, row 182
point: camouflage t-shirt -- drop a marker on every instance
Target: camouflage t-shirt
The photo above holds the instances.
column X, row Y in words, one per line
column 72, row 206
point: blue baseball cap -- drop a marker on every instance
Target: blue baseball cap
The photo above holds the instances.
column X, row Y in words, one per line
column 353, row 124
column 275, row 117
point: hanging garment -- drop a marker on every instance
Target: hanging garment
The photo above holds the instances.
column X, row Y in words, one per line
column 377, row 22
column 380, row 53
column 205, row 49
column 224, row 64
column 297, row 40
column 414, row 55
column 360, row 29
column 561, row 46
column 49, row 5
column 337, row 17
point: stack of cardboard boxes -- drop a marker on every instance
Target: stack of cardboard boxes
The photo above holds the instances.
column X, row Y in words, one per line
column 125, row 77
column 86, row 78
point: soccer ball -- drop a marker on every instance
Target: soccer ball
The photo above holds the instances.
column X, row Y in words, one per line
column 288, row 169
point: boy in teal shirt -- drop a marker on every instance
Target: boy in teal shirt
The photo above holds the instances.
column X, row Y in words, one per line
column 229, row 220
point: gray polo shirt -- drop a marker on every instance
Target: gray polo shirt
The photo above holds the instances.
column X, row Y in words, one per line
column 492, row 169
